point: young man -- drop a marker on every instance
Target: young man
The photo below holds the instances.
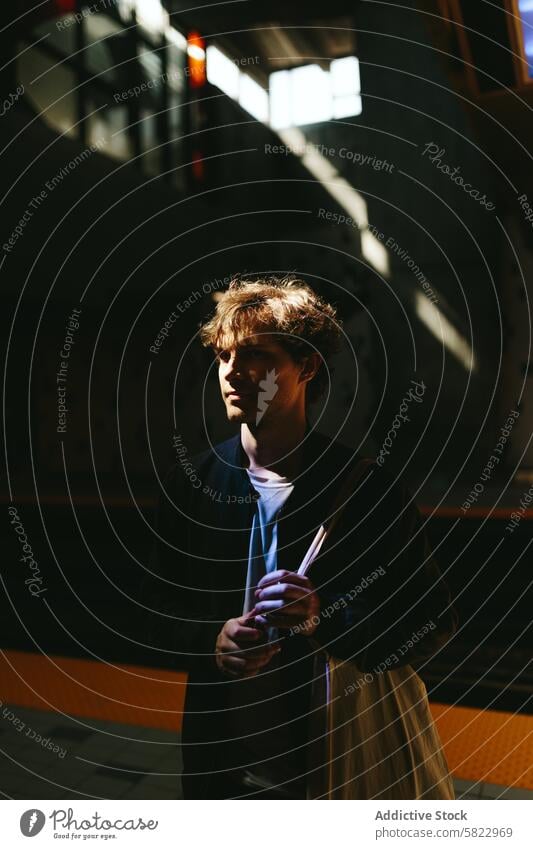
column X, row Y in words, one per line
column 234, row 524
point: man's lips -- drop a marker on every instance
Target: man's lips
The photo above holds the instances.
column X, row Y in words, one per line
column 238, row 394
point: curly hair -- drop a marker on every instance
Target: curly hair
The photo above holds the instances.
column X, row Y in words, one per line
column 278, row 305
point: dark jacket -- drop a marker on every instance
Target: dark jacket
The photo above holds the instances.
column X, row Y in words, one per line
column 383, row 600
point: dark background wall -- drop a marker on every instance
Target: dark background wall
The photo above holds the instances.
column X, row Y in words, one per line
column 126, row 248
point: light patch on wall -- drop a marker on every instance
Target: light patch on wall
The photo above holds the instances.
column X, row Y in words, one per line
column 443, row 330
column 376, row 254
column 340, row 189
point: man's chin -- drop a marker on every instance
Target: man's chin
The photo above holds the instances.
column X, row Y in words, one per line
column 240, row 415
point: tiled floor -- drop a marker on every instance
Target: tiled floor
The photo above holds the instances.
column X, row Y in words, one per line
column 93, row 759
column 109, row 760
column 484, row 790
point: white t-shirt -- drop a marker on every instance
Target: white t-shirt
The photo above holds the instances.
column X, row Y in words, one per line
column 274, row 491
column 260, row 730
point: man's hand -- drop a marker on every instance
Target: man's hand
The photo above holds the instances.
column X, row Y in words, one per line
column 285, row 600
column 241, row 651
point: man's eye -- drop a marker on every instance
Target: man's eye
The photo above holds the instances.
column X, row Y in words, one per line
column 247, row 353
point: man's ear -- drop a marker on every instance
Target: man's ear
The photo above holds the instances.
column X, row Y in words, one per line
column 310, row 366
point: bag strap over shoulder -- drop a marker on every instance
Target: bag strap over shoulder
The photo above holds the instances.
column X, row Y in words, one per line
column 325, row 529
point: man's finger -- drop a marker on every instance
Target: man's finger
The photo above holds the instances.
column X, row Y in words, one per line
column 281, row 575
column 282, row 591
column 237, row 664
column 251, row 654
column 281, row 620
column 240, row 633
column 292, row 607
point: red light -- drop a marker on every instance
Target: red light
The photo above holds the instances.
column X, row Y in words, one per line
column 196, row 60
column 63, row 7
column 198, row 168
column 44, row 11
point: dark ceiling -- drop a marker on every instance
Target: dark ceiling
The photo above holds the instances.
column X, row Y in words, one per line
column 235, row 13
column 282, row 34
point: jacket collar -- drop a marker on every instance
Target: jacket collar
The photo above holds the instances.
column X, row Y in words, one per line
column 325, row 462
column 232, row 453
column 322, row 460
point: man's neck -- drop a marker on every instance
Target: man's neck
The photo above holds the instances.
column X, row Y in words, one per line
column 275, row 445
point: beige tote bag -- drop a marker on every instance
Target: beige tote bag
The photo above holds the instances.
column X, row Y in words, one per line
column 372, row 734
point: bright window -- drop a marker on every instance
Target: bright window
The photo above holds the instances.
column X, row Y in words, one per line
column 304, row 95
column 525, row 7
column 280, row 101
column 309, row 94
column 253, row 98
column 345, row 87
column 222, row 72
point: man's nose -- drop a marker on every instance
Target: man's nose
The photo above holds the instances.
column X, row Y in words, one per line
column 234, row 364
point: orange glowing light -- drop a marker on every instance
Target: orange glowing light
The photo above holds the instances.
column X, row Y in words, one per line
column 196, row 60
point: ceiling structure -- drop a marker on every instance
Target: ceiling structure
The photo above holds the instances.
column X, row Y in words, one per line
column 280, row 33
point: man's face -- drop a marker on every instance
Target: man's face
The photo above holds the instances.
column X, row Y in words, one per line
column 258, row 377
